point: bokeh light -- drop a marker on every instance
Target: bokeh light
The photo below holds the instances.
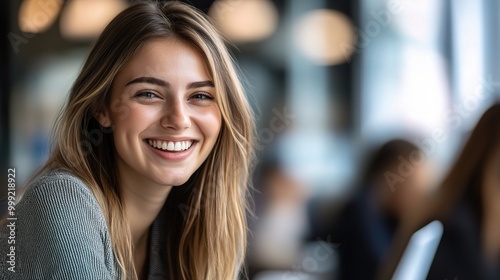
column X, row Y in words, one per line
column 245, row 21
column 84, row 19
column 36, row 16
column 325, row 36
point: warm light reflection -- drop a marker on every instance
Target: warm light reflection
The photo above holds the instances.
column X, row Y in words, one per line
column 83, row 19
column 245, row 21
column 325, row 36
column 36, row 16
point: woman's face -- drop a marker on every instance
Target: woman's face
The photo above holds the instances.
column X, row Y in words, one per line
column 163, row 112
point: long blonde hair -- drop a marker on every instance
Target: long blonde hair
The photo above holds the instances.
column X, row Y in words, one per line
column 208, row 240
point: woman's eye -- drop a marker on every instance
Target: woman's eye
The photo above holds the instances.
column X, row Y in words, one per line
column 202, row 96
column 146, row 95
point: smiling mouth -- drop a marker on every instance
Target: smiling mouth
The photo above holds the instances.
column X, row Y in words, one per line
column 170, row 146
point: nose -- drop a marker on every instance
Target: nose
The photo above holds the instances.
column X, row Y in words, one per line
column 175, row 116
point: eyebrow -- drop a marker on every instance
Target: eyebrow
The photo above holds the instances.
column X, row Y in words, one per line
column 162, row 83
column 200, row 84
column 149, row 80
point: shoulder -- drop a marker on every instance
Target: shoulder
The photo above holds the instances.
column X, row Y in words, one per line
column 55, row 181
column 57, row 188
column 61, row 230
column 60, row 199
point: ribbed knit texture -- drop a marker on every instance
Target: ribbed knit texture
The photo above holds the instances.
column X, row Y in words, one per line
column 61, row 233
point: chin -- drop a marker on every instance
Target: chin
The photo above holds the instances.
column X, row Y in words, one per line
column 172, row 180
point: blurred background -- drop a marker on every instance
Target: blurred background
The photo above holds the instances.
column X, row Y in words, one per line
column 331, row 81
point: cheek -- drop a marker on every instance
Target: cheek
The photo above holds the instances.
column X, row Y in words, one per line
column 137, row 119
column 209, row 123
column 127, row 129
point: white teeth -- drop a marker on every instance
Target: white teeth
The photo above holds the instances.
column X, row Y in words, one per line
column 177, row 146
column 170, row 145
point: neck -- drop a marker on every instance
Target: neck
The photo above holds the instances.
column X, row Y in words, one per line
column 142, row 208
column 491, row 229
column 491, row 209
column 491, row 239
column 143, row 201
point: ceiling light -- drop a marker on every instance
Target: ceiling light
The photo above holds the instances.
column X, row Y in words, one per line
column 85, row 19
column 325, row 36
column 245, row 21
column 36, row 16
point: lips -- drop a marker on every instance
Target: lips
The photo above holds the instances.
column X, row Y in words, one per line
column 171, row 146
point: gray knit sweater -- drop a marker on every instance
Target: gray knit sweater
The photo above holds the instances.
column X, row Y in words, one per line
column 61, row 233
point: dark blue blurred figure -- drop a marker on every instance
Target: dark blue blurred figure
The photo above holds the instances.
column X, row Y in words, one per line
column 394, row 183
column 468, row 205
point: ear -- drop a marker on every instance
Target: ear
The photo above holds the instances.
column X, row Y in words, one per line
column 102, row 116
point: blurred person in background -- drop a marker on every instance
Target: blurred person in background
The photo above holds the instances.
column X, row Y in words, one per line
column 468, row 205
column 281, row 225
column 394, row 184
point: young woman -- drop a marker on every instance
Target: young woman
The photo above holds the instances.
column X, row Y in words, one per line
column 148, row 176
column 468, row 204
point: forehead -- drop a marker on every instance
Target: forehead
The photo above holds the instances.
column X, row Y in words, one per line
column 167, row 58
